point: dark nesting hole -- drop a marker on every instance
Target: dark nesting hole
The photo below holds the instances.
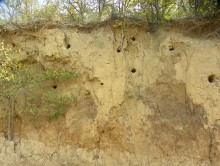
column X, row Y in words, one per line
column 101, row 84
column 13, row 44
column 133, row 38
column 211, row 78
column 54, row 86
column 171, row 48
column 68, row 46
column 133, row 70
column 118, row 50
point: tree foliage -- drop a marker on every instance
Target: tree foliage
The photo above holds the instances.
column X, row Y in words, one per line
column 85, row 11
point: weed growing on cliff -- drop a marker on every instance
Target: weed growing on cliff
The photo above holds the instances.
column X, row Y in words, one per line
column 23, row 88
column 58, row 74
column 131, row 94
column 56, row 101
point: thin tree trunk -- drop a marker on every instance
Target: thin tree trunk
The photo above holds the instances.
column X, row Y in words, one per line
column 10, row 120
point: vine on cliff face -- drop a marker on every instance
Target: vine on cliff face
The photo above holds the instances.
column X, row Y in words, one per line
column 23, row 88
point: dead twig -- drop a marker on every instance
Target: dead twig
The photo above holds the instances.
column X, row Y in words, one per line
column 216, row 32
column 122, row 39
column 113, row 34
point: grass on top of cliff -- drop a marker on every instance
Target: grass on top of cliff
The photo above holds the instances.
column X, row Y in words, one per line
column 198, row 27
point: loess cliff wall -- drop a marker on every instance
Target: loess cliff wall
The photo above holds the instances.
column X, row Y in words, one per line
column 143, row 98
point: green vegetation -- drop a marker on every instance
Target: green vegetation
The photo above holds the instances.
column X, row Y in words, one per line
column 86, row 11
column 23, row 88
column 134, row 94
column 58, row 74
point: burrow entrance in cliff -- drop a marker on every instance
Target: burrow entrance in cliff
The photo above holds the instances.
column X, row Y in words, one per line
column 211, row 78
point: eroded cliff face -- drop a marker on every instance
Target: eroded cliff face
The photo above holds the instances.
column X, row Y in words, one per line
column 143, row 99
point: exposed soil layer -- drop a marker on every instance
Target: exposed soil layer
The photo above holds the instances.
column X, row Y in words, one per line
column 145, row 96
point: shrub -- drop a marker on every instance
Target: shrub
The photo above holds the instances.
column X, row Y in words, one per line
column 22, row 88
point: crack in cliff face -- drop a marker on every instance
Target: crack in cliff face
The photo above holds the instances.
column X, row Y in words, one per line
column 211, row 147
column 214, row 144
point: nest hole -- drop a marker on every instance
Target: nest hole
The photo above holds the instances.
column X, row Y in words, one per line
column 118, row 50
column 68, row 46
column 13, row 44
column 133, row 38
column 171, row 48
column 101, row 84
column 133, row 70
column 211, row 78
column 54, row 86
